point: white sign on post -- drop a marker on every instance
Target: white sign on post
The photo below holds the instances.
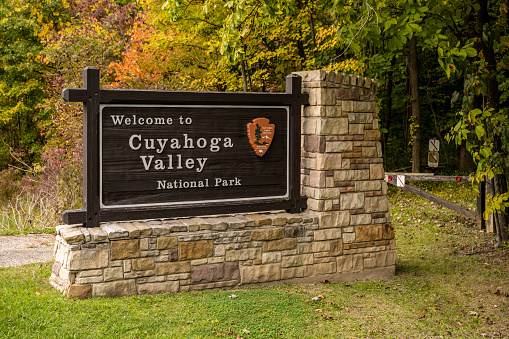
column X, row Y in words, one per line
column 433, row 159
column 434, row 145
column 400, row 180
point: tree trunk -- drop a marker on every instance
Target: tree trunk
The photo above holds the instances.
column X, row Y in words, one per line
column 492, row 96
column 465, row 160
column 388, row 108
column 416, row 113
column 244, row 77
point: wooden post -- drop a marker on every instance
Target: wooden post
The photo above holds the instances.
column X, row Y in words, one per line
column 294, row 87
column 481, row 204
column 91, row 146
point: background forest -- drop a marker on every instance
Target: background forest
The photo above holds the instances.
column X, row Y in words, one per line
column 442, row 68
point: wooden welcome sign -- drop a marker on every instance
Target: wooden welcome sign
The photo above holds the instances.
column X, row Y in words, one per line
column 159, row 154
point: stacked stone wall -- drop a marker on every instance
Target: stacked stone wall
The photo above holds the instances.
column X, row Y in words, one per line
column 345, row 234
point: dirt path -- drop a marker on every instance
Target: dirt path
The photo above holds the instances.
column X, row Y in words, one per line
column 25, row 249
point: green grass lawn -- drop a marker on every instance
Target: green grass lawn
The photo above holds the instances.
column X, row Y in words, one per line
column 450, row 282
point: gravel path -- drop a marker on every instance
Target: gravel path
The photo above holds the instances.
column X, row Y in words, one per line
column 25, row 249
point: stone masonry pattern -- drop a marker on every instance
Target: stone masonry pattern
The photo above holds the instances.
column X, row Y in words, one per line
column 345, row 234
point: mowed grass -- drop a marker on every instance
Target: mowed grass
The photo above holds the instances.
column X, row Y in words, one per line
column 450, row 282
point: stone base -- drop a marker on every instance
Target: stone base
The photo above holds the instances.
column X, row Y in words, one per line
column 188, row 254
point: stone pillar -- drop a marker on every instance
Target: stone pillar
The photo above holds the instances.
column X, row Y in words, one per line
column 342, row 170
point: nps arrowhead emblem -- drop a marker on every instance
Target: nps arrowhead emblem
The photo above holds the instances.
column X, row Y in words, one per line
column 260, row 133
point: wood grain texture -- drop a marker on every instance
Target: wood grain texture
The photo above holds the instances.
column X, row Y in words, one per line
column 127, row 176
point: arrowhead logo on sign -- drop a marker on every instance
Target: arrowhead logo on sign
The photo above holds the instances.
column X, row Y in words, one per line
column 260, row 133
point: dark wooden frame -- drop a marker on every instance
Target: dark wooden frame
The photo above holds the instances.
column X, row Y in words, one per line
column 93, row 96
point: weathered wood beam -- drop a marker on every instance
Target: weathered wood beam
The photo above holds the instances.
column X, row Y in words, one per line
column 457, row 208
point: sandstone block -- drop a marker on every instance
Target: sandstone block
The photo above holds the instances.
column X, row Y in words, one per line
column 388, row 232
column 309, row 126
column 315, row 111
column 309, row 76
column 295, row 231
column 192, row 224
column 391, row 258
column 274, row 233
column 372, row 134
column 133, row 231
column 144, row 244
column 260, row 273
column 349, row 175
column 297, row 260
column 166, row 268
column 360, row 219
column 216, row 224
column 322, row 96
column 164, row 243
column 197, row 262
column 350, row 201
column 356, row 128
column 260, row 220
column 215, row 272
column 196, row 249
column 235, row 222
column 79, row 291
column 333, row 111
column 115, row 231
column 317, row 178
column 279, row 245
column 158, row 287
column 87, row 259
column 328, row 161
column 124, row 249
column 371, row 185
column 155, row 278
column 360, row 118
column 339, row 146
column 292, row 272
column 122, row 288
column 369, row 152
column 319, row 269
column 348, row 238
column 334, row 219
column 381, row 259
column 271, row 257
column 368, row 233
column 114, row 273
column 145, row 229
column 369, row 262
column 376, row 204
column 327, row 193
column 336, row 247
column 244, row 254
column 332, row 126
column 277, row 219
column 304, row 247
column 97, row 235
column 320, row 246
column 327, row 234
column 351, row 263
column 159, row 228
column 348, row 94
column 72, row 235
column 314, row 143
column 143, row 264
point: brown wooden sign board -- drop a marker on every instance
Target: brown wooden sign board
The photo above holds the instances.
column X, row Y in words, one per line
column 160, row 154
